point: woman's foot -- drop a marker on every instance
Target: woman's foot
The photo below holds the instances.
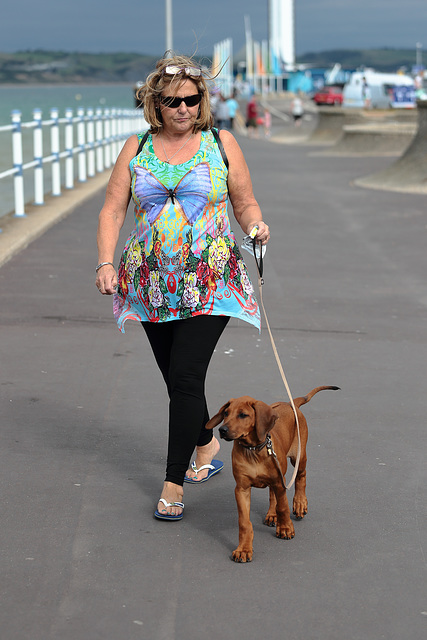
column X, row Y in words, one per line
column 204, row 455
column 171, row 493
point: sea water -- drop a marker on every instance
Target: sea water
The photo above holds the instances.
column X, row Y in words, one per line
column 26, row 98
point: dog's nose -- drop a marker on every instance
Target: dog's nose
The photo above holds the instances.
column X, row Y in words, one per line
column 223, row 431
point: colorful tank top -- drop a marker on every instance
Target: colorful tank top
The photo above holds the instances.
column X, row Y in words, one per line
column 182, row 259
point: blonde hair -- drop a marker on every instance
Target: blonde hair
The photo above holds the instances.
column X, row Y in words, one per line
column 149, row 93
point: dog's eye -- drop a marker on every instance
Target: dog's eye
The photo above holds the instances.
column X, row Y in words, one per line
column 243, row 415
column 225, row 413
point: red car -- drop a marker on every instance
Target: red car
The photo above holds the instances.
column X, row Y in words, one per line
column 328, row 95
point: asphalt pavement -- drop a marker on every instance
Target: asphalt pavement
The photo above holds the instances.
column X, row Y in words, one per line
column 84, row 415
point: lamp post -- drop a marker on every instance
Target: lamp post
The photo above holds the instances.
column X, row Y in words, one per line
column 419, row 55
column 169, row 40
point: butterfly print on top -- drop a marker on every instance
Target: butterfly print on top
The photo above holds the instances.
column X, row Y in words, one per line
column 190, row 195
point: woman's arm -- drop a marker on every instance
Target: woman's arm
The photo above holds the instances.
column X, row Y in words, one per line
column 112, row 216
column 246, row 209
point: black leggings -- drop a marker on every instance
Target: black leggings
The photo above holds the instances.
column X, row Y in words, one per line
column 183, row 349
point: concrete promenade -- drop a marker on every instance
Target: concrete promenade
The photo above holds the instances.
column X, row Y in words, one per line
column 83, row 431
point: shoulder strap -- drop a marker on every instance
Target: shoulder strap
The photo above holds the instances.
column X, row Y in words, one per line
column 143, row 141
column 215, row 134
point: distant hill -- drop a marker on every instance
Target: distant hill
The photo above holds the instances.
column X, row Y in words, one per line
column 55, row 67
column 386, row 60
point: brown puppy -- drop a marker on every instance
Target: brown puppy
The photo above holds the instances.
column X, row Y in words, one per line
column 248, row 423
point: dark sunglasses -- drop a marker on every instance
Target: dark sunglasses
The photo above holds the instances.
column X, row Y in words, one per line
column 174, row 103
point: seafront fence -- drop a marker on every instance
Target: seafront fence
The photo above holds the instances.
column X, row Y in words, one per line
column 80, row 146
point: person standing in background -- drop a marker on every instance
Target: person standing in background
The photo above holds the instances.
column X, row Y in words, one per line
column 233, row 107
column 297, row 110
column 267, row 123
column 222, row 114
column 366, row 94
column 252, row 117
column 214, row 99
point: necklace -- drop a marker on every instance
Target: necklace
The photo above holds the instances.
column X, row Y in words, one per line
column 174, row 154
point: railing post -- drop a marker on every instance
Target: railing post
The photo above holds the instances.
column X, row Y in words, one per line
column 99, row 141
column 90, row 144
column 118, row 132
column 54, row 145
column 107, row 138
column 38, row 157
column 140, row 121
column 69, row 160
column 18, row 180
column 81, row 144
column 126, row 123
column 121, row 129
column 113, row 135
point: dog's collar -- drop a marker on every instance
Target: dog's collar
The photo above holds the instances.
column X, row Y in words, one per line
column 259, row 447
column 271, row 452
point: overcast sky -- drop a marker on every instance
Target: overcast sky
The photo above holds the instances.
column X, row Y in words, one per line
column 109, row 26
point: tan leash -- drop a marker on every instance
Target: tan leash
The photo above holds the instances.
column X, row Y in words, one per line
column 279, row 364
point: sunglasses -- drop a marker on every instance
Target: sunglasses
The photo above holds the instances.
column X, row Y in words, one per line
column 172, row 70
column 174, row 103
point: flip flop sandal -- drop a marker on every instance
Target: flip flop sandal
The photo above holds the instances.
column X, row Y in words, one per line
column 214, row 467
column 168, row 516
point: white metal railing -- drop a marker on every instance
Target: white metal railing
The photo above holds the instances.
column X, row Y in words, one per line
column 93, row 138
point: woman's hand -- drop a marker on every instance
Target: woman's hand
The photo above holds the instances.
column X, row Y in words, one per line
column 106, row 280
column 263, row 231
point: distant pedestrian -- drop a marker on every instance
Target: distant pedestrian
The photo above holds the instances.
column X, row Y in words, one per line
column 214, row 98
column 222, row 114
column 252, row 118
column 267, row 123
column 366, row 94
column 297, row 110
column 233, row 107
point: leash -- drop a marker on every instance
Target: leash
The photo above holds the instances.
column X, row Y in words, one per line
column 260, row 268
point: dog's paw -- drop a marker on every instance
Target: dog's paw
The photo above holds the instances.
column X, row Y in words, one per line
column 242, row 555
column 285, row 532
column 270, row 520
column 300, row 507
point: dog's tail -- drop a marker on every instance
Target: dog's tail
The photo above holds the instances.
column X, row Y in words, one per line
column 303, row 400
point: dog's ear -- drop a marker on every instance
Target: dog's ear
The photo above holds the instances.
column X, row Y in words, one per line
column 218, row 418
column 265, row 419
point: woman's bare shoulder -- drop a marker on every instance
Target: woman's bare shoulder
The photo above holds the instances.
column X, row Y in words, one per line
column 231, row 146
column 131, row 144
column 128, row 150
column 227, row 137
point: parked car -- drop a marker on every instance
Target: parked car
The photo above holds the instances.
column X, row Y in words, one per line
column 328, row 96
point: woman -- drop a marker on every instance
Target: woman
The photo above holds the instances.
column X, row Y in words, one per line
column 252, row 117
column 181, row 273
column 233, row 107
column 222, row 114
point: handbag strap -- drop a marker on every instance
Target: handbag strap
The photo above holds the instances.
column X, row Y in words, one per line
column 215, row 133
column 143, row 141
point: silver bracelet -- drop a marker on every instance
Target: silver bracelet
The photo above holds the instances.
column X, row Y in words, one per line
column 102, row 264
